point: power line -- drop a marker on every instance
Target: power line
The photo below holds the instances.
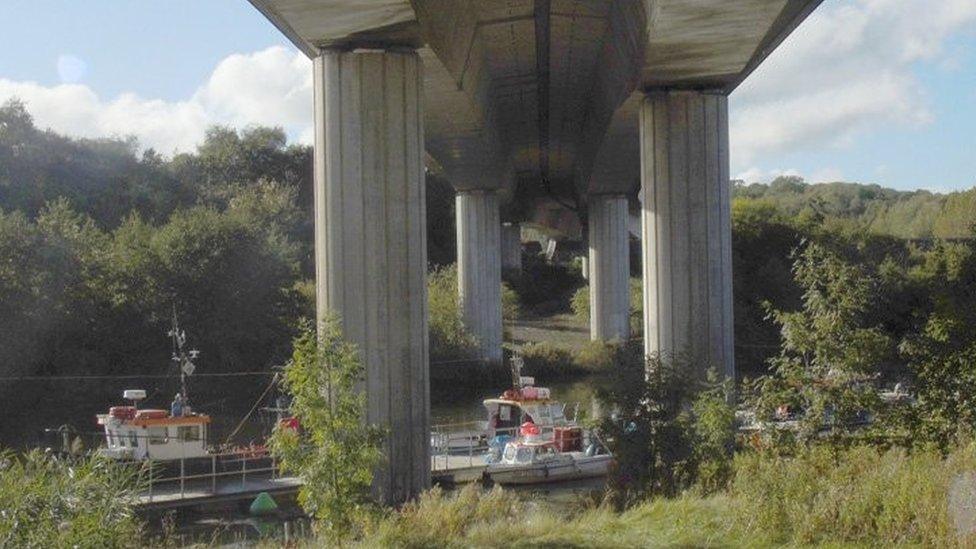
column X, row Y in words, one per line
column 166, row 376
column 127, row 376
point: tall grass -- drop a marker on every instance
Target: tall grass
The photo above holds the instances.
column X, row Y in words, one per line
column 855, row 497
column 860, row 495
column 48, row 502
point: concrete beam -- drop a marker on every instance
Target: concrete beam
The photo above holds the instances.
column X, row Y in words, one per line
column 609, row 266
column 479, row 269
column 686, row 227
column 370, row 244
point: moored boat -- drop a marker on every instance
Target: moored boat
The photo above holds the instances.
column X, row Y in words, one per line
column 534, row 458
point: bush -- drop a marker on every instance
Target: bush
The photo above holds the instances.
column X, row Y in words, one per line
column 580, row 303
column 543, row 287
column 49, row 502
column 547, row 360
column 335, row 452
column 449, row 339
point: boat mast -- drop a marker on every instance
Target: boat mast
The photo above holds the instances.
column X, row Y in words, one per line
column 182, row 357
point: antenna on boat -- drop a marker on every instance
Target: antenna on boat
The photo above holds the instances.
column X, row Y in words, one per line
column 516, row 364
column 181, row 356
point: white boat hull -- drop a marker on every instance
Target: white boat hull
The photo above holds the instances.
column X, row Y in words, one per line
column 540, row 473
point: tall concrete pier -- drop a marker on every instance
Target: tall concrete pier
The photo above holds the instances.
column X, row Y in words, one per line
column 371, row 243
column 480, row 269
column 541, row 108
column 686, row 227
column 609, row 266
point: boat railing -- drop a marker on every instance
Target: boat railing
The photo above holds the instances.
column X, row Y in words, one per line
column 464, row 444
column 268, row 466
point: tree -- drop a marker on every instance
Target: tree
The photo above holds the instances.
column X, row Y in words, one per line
column 831, row 353
column 942, row 353
column 334, row 451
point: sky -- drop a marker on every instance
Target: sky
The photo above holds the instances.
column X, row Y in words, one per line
column 873, row 91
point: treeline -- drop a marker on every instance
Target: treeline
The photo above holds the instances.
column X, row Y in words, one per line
column 852, row 206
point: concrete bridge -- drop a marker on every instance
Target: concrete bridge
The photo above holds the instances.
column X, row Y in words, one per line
column 579, row 103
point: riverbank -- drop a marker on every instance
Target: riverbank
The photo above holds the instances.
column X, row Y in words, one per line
column 824, row 497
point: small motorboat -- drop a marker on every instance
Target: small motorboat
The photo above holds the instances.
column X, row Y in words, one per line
column 535, row 458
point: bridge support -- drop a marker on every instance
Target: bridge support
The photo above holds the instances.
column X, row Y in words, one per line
column 370, row 244
column 609, row 266
column 512, row 246
column 686, row 226
column 479, row 268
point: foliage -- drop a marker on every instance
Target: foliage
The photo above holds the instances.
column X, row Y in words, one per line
column 336, row 451
column 543, row 287
column 713, row 433
column 449, row 339
column 547, row 360
column 942, row 354
column 831, row 355
column 49, row 502
column 822, row 496
column 651, row 437
column 857, row 496
column 580, row 303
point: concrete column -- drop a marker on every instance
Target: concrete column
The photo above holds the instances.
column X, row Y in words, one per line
column 370, row 244
column 479, row 268
column 609, row 267
column 686, row 227
column 512, row 246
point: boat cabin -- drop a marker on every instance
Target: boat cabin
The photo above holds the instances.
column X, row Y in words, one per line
column 523, row 452
column 527, row 404
column 134, row 434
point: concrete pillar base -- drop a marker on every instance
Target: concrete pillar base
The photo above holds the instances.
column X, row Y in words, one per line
column 370, row 244
column 686, row 228
column 609, row 266
column 479, row 269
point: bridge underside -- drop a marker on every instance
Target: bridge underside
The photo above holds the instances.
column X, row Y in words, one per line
column 526, row 107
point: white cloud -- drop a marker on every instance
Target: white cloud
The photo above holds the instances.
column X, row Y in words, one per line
column 756, row 174
column 71, row 69
column 848, row 68
column 270, row 87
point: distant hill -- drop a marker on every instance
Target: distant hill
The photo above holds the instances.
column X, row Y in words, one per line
column 904, row 214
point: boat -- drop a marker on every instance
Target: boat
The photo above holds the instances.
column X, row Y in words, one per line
column 524, row 402
column 173, row 443
column 534, row 458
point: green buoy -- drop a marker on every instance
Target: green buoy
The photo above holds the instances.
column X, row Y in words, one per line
column 264, row 504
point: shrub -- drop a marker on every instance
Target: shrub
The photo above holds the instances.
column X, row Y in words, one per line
column 546, row 360
column 543, row 287
column 580, row 303
column 597, row 356
column 449, row 340
column 335, row 452
column 49, row 502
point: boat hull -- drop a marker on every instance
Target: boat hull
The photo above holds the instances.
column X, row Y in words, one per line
column 542, row 473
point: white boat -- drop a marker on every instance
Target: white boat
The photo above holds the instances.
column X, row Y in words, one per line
column 536, row 460
column 505, row 413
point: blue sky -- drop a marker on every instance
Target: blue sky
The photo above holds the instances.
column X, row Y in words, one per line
column 880, row 91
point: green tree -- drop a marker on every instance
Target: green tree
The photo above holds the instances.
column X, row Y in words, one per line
column 335, row 451
column 942, row 353
column 831, row 353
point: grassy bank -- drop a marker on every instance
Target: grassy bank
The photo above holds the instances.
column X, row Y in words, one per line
column 823, row 497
